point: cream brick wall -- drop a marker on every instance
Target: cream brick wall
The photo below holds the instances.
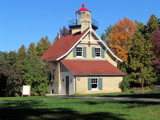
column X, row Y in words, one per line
column 85, row 21
column 109, row 84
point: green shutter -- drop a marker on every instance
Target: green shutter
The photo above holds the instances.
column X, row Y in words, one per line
column 89, row 84
column 93, row 52
column 102, row 53
column 84, row 52
column 100, row 84
column 74, row 52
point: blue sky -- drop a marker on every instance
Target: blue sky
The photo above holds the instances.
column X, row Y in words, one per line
column 26, row 21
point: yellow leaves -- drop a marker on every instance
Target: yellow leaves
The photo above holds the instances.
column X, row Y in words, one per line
column 120, row 37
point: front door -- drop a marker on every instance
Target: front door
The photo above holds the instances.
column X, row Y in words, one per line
column 67, row 85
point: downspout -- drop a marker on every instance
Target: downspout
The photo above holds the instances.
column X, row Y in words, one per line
column 75, row 85
column 59, row 78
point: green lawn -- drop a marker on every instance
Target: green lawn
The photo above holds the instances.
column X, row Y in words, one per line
column 51, row 108
column 155, row 95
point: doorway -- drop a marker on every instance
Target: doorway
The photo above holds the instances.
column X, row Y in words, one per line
column 67, row 85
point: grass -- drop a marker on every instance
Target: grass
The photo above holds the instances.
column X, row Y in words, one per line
column 52, row 108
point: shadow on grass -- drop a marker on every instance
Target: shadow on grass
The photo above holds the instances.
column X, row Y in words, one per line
column 31, row 109
column 138, row 95
column 130, row 104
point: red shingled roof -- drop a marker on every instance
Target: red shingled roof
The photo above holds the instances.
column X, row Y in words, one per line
column 83, row 8
column 62, row 46
column 91, row 67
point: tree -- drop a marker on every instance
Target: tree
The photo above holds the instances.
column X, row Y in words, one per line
column 152, row 24
column 22, row 49
column 136, row 53
column 64, row 32
column 32, row 50
column 104, row 36
column 22, row 52
column 124, row 85
column 120, row 37
column 10, row 74
column 34, row 74
column 42, row 46
column 156, row 49
column 140, row 72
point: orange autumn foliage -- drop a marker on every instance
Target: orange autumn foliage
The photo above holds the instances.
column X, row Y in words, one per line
column 120, row 37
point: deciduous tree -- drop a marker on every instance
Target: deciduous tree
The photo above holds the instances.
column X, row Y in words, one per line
column 34, row 74
column 64, row 31
column 156, row 49
column 10, row 74
column 120, row 37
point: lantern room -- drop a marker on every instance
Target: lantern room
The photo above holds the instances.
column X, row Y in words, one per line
column 82, row 11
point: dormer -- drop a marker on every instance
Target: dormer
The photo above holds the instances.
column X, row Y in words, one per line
column 83, row 21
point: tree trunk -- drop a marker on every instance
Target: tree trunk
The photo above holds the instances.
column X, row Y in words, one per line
column 142, row 87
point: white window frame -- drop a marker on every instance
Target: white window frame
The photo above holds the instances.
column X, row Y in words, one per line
column 77, row 51
column 94, row 89
column 95, row 52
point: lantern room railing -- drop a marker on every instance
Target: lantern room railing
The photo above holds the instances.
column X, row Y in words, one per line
column 75, row 22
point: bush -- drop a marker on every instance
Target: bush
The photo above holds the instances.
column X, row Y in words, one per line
column 124, row 84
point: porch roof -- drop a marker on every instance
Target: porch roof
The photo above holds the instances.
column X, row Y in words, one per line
column 77, row 67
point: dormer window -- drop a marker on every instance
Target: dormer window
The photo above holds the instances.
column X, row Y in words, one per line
column 79, row 51
column 98, row 52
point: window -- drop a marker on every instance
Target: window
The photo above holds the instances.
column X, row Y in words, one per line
column 51, row 77
column 79, row 51
column 94, row 83
column 97, row 52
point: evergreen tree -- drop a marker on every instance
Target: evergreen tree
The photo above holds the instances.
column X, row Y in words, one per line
column 56, row 38
column 22, row 52
column 104, row 36
column 42, row 46
column 138, row 68
column 22, row 49
column 149, row 56
column 32, row 50
column 152, row 24
column 136, row 53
